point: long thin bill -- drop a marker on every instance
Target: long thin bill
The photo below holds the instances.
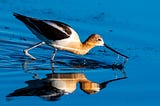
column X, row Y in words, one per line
column 115, row 51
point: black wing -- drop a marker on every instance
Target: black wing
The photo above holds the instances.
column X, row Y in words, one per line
column 45, row 27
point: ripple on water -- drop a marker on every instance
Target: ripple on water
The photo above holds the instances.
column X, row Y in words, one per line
column 25, row 77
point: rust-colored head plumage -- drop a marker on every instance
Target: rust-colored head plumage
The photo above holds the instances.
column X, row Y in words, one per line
column 94, row 40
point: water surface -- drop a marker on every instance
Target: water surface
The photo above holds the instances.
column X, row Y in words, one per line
column 98, row 78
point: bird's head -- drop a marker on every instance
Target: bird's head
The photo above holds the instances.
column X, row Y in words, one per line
column 95, row 40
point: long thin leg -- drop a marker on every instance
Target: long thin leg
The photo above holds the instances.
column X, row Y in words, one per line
column 53, row 55
column 28, row 49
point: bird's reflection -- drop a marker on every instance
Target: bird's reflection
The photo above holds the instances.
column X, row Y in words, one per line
column 55, row 85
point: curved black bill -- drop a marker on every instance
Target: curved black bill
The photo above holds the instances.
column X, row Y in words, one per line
column 115, row 51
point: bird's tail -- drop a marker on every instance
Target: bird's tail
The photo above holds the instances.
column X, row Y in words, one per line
column 21, row 17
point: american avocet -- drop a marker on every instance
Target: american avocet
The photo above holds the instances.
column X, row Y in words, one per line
column 60, row 36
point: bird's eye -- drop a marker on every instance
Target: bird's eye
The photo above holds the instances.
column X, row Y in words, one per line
column 99, row 39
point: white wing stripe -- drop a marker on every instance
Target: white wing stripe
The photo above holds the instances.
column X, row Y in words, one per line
column 56, row 26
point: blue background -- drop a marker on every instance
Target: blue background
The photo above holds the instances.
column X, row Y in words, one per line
column 132, row 27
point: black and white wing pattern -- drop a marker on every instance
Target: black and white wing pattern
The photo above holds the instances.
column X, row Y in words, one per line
column 52, row 30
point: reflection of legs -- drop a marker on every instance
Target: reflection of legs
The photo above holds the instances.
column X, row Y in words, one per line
column 25, row 64
column 26, row 50
column 53, row 55
column 52, row 66
column 29, row 71
column 52, row 59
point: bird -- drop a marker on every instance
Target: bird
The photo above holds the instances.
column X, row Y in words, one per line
column 60, row 36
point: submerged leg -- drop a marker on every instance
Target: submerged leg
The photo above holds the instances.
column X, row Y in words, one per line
column 28, row 49
column 53, row 55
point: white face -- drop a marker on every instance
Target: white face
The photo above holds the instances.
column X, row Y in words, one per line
column 99, row 42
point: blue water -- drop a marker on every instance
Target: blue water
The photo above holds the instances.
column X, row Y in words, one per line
column 131, row 27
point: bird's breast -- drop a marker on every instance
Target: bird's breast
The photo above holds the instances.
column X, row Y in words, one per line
column 73, row 47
